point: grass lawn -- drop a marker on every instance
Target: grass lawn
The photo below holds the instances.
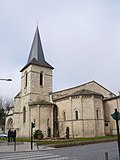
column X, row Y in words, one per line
column 66, row 142
column 75, row 141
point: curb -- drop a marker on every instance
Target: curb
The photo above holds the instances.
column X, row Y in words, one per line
column 10, row 143
column 69, row 144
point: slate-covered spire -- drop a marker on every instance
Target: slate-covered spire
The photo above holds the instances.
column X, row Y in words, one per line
column 36, row 55
column 36, row 49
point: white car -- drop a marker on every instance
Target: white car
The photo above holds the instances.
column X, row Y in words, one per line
column 3, row 135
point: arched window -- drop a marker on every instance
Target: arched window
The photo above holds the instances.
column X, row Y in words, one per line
column 41, row 78
column 64, row 116
column 48, row 121
column 76, row 115
column 24, row 114
column 26, row 78
column 10, row 123
column 97, row 113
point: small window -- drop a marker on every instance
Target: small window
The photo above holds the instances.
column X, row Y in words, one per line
column 76, row 115
column 97, row 112
column 24, row 115
column 41, row 79
column 64, row 116
column 106, row 124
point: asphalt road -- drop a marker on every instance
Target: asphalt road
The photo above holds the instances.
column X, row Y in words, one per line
column 90, row 152
column 84, row 152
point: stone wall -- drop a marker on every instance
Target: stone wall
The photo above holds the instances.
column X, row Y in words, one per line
column 43, row 117
column 87, row 124
column 109, row 108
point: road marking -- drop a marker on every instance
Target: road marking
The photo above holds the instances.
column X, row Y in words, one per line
column 60, row 158
column 31, row 156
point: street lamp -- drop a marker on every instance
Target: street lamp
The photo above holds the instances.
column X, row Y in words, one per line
column 116, row 116
column 3, row 79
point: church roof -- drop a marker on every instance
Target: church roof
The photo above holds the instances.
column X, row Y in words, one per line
column 80, row 93
column 40, row 102
column 85, row 92
column 82, row 85
column 36, row 55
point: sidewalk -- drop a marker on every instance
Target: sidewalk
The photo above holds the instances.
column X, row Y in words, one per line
column 21, row 146
column 10, row 147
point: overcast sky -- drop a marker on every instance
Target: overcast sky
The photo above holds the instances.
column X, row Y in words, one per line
column 80, row 39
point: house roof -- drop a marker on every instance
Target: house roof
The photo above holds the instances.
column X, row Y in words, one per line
column 36, row 56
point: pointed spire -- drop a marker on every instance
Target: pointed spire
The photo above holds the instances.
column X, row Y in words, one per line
column 36, row 49
column 36, row 55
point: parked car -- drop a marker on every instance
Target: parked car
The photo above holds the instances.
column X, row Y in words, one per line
column 3, row 135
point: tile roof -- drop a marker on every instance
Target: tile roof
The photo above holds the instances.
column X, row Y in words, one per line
column 40, row 102
column 85, row 92
column 80, row 93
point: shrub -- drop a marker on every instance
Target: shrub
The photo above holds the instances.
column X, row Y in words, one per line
column 57, row 134
column 67, row 132
column 49, row 132
column 38, row 134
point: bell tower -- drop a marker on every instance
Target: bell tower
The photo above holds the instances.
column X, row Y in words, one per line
column 36, row 77
column 32, row 103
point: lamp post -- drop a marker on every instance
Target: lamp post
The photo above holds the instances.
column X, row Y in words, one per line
column 4, row 79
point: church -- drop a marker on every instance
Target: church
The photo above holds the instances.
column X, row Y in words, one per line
column 85, row 109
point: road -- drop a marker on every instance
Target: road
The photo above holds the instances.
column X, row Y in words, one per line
column 90, row 152
column 86, row 152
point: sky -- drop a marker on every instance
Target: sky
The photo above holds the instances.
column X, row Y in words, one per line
column 80, row 39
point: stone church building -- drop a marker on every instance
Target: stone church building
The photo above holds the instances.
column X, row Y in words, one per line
column 86, row 109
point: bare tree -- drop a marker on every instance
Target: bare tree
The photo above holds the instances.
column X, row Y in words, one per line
column 5, row 105
column 1, row 102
